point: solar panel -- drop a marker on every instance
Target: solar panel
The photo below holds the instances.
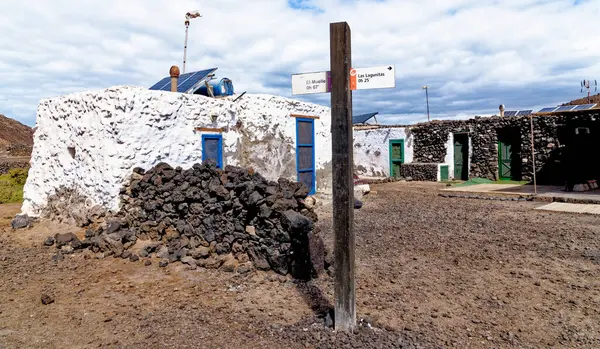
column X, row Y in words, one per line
column 524, row 112
column 510, row 113
column 547, row 110
column 584, row 106
column 566, row 108
column 187, row 83
column 159, row 85
column 362, row 118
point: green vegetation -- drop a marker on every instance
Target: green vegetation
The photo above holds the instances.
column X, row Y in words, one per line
column 474, row 181
column 11, row 185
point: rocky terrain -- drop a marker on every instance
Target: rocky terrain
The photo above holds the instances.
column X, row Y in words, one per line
column 432, row 272
column 232, row 219
column 16, row 143
column 584, row 100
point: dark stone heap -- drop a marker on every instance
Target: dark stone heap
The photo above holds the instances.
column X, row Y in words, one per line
column 232, row 219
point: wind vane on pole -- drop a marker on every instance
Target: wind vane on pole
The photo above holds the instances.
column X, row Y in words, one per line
column 188, row 16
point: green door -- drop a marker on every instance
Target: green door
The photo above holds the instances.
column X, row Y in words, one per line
column 396, row 156
column 505, row 160
column 461, row 157
column 444, row 173
column 509, row 150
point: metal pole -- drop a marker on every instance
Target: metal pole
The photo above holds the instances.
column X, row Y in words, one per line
column 533, row 155
column 427, row 98
column 187, row 25
column 342, row 164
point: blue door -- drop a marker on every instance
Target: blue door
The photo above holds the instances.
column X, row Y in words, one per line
column 305, row 153
column 212, row 150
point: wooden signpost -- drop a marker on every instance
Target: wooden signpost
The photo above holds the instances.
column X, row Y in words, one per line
column 340, row 81
column 343, row 185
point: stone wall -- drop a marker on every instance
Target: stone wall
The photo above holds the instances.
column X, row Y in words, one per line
column 420, row 171
column 433, row 140
column 232, row 219
column 90, row 141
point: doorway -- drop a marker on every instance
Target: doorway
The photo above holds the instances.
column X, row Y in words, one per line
column 461, row 156
column 396, row 156
column 509, row 149
column 305, row 153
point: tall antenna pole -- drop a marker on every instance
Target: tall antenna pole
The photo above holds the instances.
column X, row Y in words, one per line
column 426, row 88
column 188, row 16
column 187, row 26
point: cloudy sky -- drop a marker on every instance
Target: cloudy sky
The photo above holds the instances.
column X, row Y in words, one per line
column 474, row 54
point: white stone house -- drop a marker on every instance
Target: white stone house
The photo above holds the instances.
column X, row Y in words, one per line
column 91, row 141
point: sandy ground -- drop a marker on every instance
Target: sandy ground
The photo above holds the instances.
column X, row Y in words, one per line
column 432, row 272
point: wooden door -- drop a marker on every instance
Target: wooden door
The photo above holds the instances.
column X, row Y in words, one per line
column 461, row 157
column 396, row 156
column 505, row 156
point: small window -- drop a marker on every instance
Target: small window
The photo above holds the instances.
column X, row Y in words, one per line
column 212, row 150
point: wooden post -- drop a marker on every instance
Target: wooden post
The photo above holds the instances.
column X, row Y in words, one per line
column 533, row 155
column 342, row 164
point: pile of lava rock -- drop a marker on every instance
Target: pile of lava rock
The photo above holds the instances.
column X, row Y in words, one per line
column 231, row 219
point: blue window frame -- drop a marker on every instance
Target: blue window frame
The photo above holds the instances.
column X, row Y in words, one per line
column 212, row 149
column 305, row 153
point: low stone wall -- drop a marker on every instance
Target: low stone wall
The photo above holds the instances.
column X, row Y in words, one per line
column 420, row 171
column 230, row 219
column 6, row 166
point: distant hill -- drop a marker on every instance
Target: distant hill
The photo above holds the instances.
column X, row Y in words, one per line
column 16, row 139
column 593, row 99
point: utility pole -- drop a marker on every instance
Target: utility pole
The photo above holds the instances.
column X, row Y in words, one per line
column 188, row 16
column 342, row 164
column 426, row 88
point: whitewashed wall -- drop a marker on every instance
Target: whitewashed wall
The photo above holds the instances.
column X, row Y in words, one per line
column 449, row 159
column 372, row 149
column 117, row 129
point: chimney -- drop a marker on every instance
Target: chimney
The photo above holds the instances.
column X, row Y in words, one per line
column 501, row 110
column 174, row 72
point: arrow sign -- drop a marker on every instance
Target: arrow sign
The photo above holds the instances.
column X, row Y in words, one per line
column 308, row 83
column 373, row 77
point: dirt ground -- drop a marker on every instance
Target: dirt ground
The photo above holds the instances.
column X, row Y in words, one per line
column 432, row 272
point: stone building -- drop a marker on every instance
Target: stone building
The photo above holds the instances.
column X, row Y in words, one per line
column 90, row 142
column 496, row 148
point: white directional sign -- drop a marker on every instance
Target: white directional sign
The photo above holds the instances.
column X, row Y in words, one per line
column 373, row 77
column 311, row 83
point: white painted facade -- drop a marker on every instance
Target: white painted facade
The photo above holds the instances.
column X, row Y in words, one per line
column 372, row 149
column 120, row 128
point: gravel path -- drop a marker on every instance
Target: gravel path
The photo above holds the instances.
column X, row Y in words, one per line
column 432, row 272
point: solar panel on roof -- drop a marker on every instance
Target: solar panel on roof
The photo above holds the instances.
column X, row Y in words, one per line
column 161, row 83
column 524, row 112
column 547, row 110
column 584, row 106
column 510, row 113
column 566, row 108
column 187, row 83
column 362, row 118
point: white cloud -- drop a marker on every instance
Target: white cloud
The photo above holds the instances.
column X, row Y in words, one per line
column 474, row 54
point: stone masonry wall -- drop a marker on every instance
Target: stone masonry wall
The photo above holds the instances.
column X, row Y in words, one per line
column 431, row 141
column 419, row 171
